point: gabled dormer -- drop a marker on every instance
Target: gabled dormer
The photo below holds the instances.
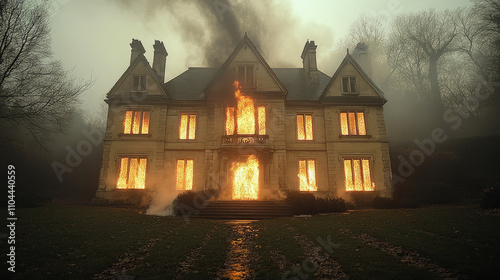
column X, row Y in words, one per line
column 350, row 83
column 247, row 66
column 140, row 81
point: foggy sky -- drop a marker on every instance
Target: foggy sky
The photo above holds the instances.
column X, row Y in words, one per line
column 92, row 36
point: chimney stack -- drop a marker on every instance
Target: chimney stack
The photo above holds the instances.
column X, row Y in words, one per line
column 137, row 49
column 309, row 62
column 362, row 56
column 160, row 59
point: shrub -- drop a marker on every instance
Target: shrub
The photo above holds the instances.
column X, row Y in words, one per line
column 192, row 200
column 385, row 203
column 331, row 205
column 491, row 198
column 302, row 203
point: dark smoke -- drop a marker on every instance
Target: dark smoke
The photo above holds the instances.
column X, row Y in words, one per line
column 214, row 27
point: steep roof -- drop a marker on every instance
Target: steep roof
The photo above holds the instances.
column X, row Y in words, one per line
column 244, row 43
column 349, row 59
column 140, row 59
column 190, row 84
column 295, row 82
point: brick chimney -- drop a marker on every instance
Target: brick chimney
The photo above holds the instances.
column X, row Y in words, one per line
column 309, row 62
column 137, row 49
column 160, row 59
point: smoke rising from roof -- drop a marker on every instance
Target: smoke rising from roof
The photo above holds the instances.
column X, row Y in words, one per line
column 215, row 27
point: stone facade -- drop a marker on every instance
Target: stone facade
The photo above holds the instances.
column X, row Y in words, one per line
column 285, row 93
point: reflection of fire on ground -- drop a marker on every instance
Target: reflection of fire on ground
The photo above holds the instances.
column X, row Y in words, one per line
column 241, row 256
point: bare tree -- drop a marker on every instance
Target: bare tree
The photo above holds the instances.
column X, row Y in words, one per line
column 37, row 97
column 418, row 42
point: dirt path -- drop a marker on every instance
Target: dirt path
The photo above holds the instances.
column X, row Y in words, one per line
column 187, row 265
column 127, row 262
column 241, row 259
column 318, row 261
column 405, row 256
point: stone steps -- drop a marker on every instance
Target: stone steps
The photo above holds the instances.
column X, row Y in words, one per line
column 245, row 210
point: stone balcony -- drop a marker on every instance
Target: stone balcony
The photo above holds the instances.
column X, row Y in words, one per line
column 245, row 140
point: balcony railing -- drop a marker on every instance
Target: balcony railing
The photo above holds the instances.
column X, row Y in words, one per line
column 245, row 139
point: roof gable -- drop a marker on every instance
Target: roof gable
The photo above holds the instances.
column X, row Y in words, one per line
column 246, row 54
column 140, row 66
column 366, row 88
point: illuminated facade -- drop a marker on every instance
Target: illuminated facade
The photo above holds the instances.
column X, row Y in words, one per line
column 245, row 129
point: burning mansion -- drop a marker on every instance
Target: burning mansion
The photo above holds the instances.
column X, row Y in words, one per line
column 245, row 129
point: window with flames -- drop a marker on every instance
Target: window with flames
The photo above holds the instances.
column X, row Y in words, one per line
column 358, row 176
column 307, row 175
column 187, row 127
column 184, row 172
column 136, row 122
column 352, row 123
column 245, row 118
column 304, row 127
column 132, row 173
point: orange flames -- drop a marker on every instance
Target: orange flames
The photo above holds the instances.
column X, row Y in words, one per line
column 184, row 174
column 132, row 173
column 246, row 179
column 352, row 123
column 307, row 176
column 245, row 112
column 187, row 128
column 304, row 127
column 136, row 122
column 358, row 175
column 243, row 119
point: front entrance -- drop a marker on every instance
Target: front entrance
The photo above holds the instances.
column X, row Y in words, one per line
column 245, row 178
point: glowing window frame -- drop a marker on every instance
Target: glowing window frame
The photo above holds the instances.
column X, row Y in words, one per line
column 183, row 188
column 371, row 166
column 356, row 121
column 307, row 160
column 119, row 170
column 304, row 126
column 188, row 125
column 141, row 122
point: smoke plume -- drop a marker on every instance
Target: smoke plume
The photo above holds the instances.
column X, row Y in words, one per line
column 211, row 29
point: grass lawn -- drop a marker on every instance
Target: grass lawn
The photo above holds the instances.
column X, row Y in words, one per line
column 56, row 242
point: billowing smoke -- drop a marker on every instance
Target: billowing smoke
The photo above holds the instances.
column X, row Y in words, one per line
column 210, row 29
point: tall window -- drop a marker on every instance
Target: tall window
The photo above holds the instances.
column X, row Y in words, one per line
column 136, row 122
column 132, row 173
column 187, row 127
column 244, row 122
column 358, row 174
column 184, row 174
column 245, row 76
column 349, row 84
column 307, row 175
column 304, row 127
column 140, row 82
column 352, row 123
